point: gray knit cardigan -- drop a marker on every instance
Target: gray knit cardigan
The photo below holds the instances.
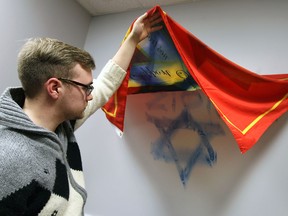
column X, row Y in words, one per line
column 41, row 171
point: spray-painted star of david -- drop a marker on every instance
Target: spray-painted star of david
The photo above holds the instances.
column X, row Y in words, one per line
column 163, row 148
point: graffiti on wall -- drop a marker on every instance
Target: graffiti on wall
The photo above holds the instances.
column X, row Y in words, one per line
column 186, row 125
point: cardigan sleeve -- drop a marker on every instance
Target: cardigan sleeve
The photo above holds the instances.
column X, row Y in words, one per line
column 105, row 85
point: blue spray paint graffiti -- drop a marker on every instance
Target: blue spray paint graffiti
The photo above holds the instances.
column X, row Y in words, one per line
column 164, row 148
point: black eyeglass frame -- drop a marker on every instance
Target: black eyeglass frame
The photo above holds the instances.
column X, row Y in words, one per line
column 88, row 88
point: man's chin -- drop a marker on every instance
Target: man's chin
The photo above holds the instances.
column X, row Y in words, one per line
column 80, row 116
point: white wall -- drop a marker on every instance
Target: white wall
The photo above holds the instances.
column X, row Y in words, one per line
column 22, row 19
column 123, row 178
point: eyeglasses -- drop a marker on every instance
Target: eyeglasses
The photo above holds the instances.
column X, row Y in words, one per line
column 88, row 88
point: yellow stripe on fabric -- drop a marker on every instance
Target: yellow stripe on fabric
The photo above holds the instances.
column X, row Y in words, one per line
column 256, row 119
column 113, row 114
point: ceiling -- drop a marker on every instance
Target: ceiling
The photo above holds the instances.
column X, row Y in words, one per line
column 102, row 7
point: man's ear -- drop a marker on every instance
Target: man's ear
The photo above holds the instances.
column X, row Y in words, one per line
column 53, row 87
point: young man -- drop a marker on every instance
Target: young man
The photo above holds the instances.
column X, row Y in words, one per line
column 40, row 162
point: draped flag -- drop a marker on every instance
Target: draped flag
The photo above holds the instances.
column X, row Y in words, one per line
column 173, row 59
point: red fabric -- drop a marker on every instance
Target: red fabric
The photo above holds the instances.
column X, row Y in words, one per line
column 247, row 102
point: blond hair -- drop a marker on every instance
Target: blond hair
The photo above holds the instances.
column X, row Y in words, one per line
column 43, row 58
